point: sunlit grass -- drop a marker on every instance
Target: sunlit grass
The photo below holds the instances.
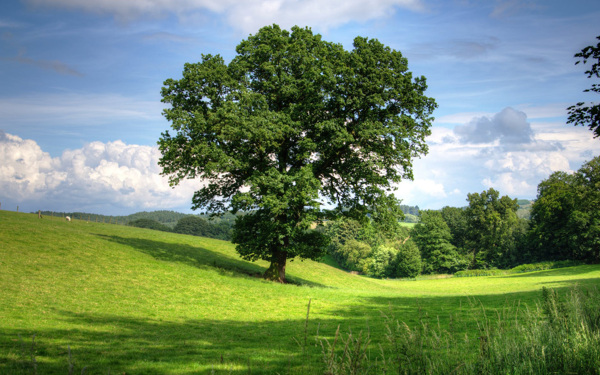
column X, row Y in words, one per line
column 139, row 301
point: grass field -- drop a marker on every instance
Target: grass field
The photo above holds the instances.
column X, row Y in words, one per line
column 115, row 299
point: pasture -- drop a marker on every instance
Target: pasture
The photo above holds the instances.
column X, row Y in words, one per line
column 96, row 298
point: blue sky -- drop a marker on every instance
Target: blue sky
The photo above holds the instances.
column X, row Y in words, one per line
column 80, row 110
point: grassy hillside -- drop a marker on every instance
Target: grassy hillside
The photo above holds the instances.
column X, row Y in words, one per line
column 137, row 301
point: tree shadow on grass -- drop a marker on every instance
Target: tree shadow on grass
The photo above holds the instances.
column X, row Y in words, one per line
column 200, row 257
column 143, row 345
column 139, row 345
column 126, row 345
column 133, row 345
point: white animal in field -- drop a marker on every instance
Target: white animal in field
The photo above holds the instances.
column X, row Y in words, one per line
column 68, row 218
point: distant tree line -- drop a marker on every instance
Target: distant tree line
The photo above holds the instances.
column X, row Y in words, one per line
column 490, row 232
column 168, row 218
column 196, row 225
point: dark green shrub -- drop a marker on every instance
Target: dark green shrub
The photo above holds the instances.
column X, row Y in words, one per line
column 481, row 272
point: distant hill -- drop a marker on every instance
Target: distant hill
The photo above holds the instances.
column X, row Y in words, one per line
column 168, row 218
column 411, row 213
column 524, row 210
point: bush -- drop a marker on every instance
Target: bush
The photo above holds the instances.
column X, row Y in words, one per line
column 341, row 232
column 480, row 272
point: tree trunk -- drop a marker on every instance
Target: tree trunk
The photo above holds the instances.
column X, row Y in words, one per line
column 276, row 271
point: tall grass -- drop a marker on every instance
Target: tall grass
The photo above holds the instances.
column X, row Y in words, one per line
column 560, row 335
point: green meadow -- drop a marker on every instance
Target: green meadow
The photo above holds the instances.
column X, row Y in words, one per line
column 95, row 298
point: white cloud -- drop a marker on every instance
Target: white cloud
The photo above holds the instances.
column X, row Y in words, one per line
column 111, row 174
column 518, row 173
column 411, row 190
column 248, row 15
column 503, row 150
column 508, row 185
column 509, row 127
column 25, row 170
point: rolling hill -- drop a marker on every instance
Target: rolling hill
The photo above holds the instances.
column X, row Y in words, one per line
column 110, row 298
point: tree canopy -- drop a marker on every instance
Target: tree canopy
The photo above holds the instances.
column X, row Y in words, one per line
column 582, row 114
column 493, row 228
column 433, row 237
column 292, row 123
column 565, row 217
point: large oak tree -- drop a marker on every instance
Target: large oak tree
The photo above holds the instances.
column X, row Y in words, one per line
column 291, row 124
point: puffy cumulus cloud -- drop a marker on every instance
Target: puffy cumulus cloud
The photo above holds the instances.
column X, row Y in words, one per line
column 25, row 170
column 509, row 127
column 502, row 150
column 543, row 164
column 249, row 15
column 98, row 176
